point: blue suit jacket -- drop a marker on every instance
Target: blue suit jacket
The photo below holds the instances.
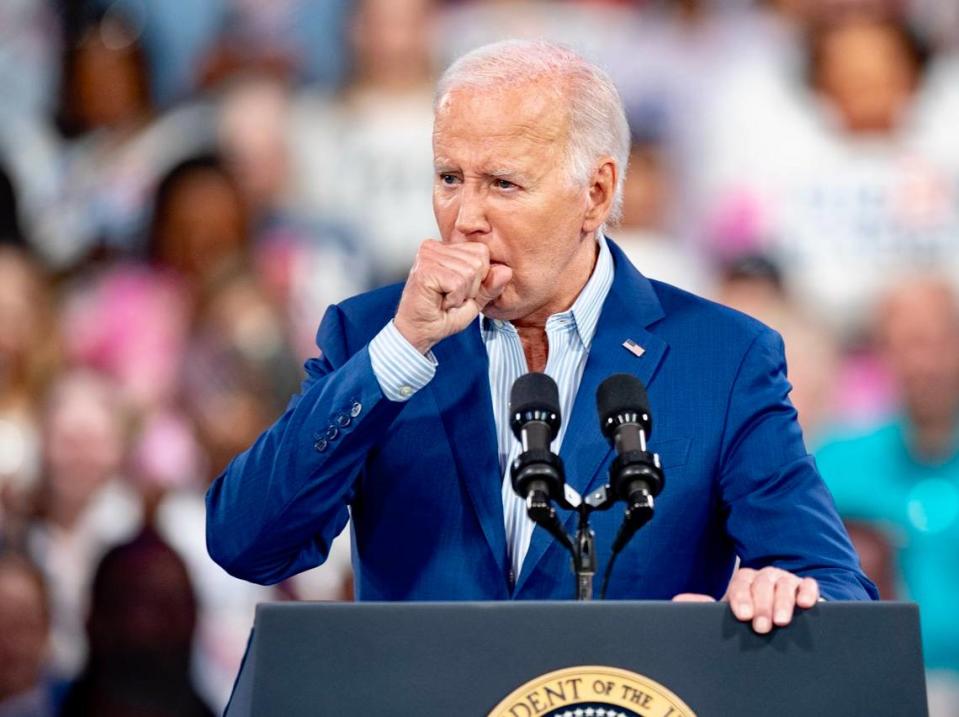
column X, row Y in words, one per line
column 422, row 479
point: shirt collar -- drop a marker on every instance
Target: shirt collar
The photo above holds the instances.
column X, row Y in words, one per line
column 584, row 313
column 588, row 305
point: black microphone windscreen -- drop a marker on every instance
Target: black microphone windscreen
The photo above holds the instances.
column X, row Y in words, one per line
column 619, row 394
column 534, row 392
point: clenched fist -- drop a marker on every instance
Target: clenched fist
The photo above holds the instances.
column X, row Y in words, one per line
column 448, row 286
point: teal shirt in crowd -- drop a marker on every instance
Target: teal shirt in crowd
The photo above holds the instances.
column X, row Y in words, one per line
column 875, row 478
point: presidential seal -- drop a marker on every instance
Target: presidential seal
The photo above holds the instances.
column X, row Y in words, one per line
column 592, row 692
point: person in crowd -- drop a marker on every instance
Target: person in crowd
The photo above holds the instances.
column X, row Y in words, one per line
column 235, row 369
column 846, row 176
column 238, row 364
column 105, row 82
column 25, row 688
column 304, row 264
column 116, row 144
column 29, row 38
column 646, row 230
column 131, row 323
column 202, row 353
column 29, row 358
column 605, row 31
column 191, row 44
column 201, row 224
column 673, row 66
column 82, row 504
column 132, row 320
column 168, row 468
column 301, row 40
column 868, row 69
column 29, row 178
column 138, row 326
column 216, row 229
column 405, row 403
column 361, row 157
column 754, row 285
column 901, row 476
column 140, row 631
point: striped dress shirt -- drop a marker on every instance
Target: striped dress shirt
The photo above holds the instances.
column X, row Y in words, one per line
column 401, row 371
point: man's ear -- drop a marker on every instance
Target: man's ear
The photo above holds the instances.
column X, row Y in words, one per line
column 602, row 187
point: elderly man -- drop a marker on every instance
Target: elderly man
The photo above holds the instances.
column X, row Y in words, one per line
column 402, row 421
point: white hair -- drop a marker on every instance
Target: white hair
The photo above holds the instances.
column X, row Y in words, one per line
column 598, row 125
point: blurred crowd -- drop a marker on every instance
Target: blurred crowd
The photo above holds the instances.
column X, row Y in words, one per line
column 186, row 185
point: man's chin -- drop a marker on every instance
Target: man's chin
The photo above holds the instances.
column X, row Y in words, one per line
column 508, row 306
column 501, row 310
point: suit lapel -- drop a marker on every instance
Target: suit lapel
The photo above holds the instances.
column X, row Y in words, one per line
column 630, row 307
column 461, row 390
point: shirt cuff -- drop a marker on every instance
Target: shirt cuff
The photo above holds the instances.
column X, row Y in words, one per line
column 399, row 368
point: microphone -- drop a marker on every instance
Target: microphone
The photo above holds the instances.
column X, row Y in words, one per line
column 535, row 420
column 636, row 474
column 537, row 473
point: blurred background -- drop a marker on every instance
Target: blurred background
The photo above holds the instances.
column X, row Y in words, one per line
column 185, row 185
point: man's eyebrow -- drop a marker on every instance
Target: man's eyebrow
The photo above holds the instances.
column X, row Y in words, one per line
column 444, row 166
column 504, row 173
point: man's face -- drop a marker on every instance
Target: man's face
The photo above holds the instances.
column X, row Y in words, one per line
column 501, row 179
column 921, row 332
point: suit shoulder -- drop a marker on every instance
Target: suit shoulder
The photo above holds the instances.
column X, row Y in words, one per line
column 353, row 322
column 713, row 321
column 371, row 308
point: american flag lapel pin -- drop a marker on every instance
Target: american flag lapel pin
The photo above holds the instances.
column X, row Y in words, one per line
column 634, row 348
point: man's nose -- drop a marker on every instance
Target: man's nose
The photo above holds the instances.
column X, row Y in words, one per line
column 471, row 214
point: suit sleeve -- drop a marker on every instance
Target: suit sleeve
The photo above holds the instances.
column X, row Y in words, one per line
column 778, row 510
column 277, row 507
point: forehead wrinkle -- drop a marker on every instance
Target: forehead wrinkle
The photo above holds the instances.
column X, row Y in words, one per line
column 503, row 173
column 513, row 131
column 494, row 151
column 527, row 175
column 494, row 160
column 530, row 110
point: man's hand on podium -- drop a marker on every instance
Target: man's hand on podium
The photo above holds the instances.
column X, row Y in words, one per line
column 767, row 597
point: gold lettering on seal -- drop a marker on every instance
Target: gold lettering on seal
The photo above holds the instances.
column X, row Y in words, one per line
column 610, row 686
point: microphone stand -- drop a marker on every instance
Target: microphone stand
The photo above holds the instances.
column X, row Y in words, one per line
column 583, row 548
column 584, row 558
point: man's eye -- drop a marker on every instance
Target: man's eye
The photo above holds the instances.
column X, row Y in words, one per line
column 504, row 184
column 448, row 179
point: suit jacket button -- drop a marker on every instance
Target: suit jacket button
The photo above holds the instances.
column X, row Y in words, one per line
column 332, row 432
column 320, row 445
column 343, row 420
column 356, row 408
